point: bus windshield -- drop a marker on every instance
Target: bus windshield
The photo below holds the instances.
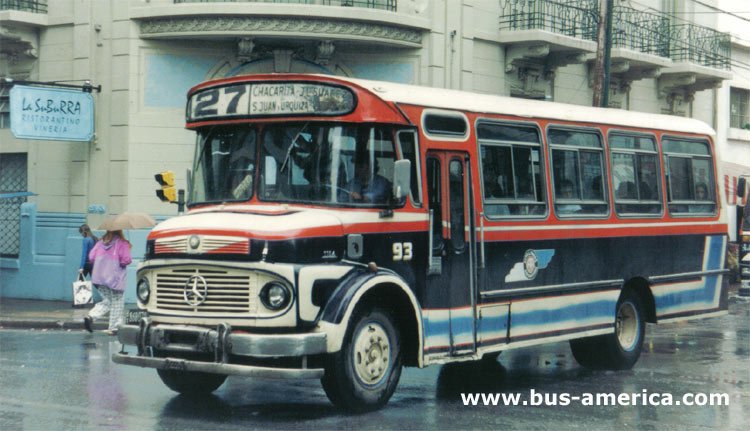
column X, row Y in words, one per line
column 326, row 163
column 225, row 165
column 302, row 162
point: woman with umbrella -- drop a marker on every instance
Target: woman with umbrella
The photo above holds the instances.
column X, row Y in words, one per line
column 110, row 258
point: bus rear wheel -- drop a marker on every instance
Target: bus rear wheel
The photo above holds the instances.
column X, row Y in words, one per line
column 363, row 375
column 191, row 382
column 621, row 349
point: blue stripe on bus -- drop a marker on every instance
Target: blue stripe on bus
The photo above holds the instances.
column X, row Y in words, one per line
column 577, row 312
column 437, row 329
column 704, row 294
column 463, row 325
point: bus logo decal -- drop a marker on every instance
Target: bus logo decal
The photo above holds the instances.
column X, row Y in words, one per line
column 528, row 268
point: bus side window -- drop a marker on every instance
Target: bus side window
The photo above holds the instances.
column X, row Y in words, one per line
column 635, row 170
column 434, row 200
column 511, row 168
column 578, row 169
column 690, row 176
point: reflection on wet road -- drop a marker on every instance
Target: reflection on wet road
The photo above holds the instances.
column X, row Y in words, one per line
column 65, row 380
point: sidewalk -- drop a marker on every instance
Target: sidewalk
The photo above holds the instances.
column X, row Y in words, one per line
column 40, row 314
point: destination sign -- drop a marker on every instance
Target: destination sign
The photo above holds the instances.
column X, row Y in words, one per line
column 270, row 99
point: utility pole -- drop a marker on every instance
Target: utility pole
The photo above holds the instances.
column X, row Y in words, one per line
column 603, row 53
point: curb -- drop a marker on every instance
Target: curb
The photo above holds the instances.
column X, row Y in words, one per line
column 48, row 324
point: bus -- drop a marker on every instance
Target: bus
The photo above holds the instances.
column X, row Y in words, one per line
column 342, row 229
column 743, row 237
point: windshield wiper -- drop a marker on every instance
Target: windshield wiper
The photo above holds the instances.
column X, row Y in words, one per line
column 291, row 147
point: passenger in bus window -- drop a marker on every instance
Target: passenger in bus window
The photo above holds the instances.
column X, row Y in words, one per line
column 701, row 194
column 567, row 192
column 367, row 185
column 626, row 190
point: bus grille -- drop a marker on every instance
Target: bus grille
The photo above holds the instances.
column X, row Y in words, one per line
column 227, row 291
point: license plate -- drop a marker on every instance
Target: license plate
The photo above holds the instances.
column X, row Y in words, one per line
column 134, row 316
column 174, row 364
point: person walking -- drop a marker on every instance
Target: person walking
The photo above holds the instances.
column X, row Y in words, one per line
column 110, row 258
column 89, row 239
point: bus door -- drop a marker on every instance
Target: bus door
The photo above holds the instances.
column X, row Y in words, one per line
column 451, row 273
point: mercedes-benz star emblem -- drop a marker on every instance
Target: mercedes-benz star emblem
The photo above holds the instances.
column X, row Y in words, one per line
column 196, row 290
column 194, row 241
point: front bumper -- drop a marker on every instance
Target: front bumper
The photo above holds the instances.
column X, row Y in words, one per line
column 175, row 342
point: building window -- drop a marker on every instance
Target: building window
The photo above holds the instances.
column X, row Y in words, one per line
column 739, row 98
column 4, row 106
column 13, row 168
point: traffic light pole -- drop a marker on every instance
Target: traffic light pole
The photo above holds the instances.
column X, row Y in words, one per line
column 180, row 201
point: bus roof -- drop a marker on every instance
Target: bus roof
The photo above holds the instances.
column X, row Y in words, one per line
column 492, row 104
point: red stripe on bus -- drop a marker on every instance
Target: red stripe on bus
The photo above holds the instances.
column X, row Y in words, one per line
column 308, row 232
column 571, row 232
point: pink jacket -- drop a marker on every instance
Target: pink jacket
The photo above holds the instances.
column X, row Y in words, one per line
column 110, row 263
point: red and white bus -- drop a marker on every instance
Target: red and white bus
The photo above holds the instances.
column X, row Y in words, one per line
column 340, row 229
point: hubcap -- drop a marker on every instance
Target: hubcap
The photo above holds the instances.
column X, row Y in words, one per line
column 371, row 353
column 627, row 326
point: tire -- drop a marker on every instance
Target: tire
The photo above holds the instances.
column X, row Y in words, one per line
column 621, row 349
column 586, row 354
column 355, row 384
column 191, row 382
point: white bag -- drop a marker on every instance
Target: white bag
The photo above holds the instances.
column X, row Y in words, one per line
column 82, row 291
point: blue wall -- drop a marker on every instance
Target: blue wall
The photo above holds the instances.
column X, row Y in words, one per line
column 50, row 251
column 169, row 77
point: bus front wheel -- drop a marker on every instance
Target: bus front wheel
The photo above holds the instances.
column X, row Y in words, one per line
column 363, row 375
column 621, row 349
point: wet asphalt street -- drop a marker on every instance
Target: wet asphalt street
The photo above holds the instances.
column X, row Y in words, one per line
column 64, row 380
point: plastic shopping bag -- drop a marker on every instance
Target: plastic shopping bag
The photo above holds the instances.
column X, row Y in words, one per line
column 82, row 291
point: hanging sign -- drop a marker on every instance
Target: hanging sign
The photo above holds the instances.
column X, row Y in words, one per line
column 56, row 114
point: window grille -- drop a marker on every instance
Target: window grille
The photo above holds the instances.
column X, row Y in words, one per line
column 13, row 168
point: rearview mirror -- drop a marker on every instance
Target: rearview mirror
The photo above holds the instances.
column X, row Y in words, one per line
column 401, row 179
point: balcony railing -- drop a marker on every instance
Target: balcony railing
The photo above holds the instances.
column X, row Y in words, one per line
column 702, row 45
column 640, row 31
column 389, row 5
column 576, row 18
column 648, row 32
column 35, row 6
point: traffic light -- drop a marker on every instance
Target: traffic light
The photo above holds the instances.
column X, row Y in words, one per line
column 167, row 193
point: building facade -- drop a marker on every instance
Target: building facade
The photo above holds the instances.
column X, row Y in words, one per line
column 667, row 57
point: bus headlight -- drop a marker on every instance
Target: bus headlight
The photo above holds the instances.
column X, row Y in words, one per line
column 275, row 296
column 143, row 290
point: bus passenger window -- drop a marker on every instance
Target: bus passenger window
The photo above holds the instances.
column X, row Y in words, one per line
column 635, row 170
column 511, row 169
column 690, row 176
column 578, row 169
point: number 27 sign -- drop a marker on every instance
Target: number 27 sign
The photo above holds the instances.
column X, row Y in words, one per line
column 266, row 99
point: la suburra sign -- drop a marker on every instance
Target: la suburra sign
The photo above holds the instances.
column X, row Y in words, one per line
column 269, row 99
column 56, row 114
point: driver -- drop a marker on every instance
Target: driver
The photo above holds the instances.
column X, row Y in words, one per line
column 367, row 185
